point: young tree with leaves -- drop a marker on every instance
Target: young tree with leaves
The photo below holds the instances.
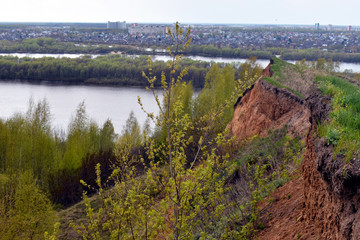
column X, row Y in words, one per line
column 174, row 197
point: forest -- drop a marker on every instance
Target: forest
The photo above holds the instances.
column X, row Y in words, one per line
column 103, row 70
column 113, row 70
column 50, row 45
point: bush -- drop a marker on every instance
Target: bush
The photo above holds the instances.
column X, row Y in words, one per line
column 28, row 212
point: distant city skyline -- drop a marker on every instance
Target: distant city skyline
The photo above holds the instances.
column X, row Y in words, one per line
column 305, row 12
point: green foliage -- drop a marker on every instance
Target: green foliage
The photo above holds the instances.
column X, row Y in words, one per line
column 182, row 92
column 343, row 130
column 107, row 136
column 84, row 138
column 213, row 106
column 54, row 235
column 333, row 136
column 214, row 51
column 250, row 69
column 79, row 139
column 50, row 45
column 26, row 212
column 184, row 201
column 219, row 86
column 320, row 64
column 127, row 148
column 131, row 136
column 314, row 54
column 28, row 142
column 109, row 70
column 262, row 165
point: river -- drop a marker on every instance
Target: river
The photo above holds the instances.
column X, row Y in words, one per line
column 102, row 103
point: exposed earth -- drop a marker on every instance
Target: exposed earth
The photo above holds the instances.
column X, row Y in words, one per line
column 322, row 200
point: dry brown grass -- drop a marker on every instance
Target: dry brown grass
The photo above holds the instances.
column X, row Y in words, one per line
column 298, row 80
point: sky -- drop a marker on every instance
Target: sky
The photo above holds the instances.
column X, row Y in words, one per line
column 339, row 12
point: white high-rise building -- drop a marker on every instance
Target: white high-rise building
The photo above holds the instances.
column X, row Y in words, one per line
column 116, row 25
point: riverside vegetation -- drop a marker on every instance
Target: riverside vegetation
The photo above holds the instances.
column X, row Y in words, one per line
column 187, row 179
column 337, row 52
column 104, row 70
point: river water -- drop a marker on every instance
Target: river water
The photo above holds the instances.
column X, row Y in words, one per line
column 102, row 103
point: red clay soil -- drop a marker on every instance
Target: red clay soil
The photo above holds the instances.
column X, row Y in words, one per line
column 282, row 214
column 295, row 207
column 306, row 208
column 267, row 72
column 266, row 107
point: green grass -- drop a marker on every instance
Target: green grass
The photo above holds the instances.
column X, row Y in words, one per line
column 277, row 149
column 343, row 129
column 278, row 66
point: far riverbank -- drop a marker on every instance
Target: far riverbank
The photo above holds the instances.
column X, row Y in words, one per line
column 344, row 66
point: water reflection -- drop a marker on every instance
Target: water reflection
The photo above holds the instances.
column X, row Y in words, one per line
column 102, row 103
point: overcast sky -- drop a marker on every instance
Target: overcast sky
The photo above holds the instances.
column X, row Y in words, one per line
column 339, row 12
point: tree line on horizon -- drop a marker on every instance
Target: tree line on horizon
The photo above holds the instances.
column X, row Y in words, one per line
column 51, row 45
column 113, row 70
column 103, row 70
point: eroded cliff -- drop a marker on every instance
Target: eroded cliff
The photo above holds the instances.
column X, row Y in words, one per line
column 265, row 107
column 324, row 201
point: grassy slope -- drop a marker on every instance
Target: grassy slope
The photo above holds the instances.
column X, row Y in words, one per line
column 343, row 128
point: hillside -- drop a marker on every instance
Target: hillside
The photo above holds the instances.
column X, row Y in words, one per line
column 322, row 200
